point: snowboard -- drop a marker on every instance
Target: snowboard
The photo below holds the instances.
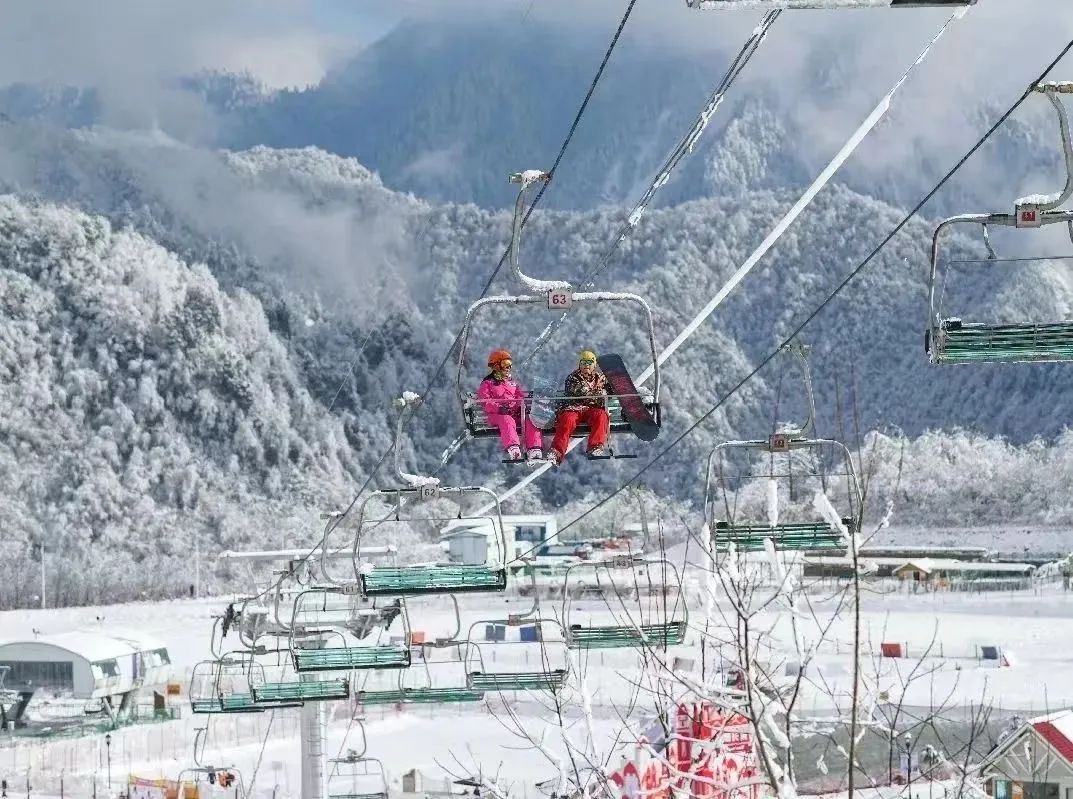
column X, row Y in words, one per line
column 621, row 385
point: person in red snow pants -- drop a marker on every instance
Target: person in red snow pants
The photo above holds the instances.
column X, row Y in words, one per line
column 586, row 392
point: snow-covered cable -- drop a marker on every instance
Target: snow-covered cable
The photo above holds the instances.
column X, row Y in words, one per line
column 803, row 202
column 821, row 181
column 868, row 259
column 683, row 148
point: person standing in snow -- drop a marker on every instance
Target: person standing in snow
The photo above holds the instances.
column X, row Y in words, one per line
column 503, row 399
column 586, row 402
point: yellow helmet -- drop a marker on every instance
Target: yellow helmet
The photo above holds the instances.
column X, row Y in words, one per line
column 587, row 355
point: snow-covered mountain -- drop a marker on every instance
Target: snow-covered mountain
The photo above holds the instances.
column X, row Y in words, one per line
column 219, row 382
column 143, row 407
column 205, row 341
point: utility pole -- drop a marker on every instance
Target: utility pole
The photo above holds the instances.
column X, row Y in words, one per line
column 197, row 567
column 907, row 739
column 39, row 550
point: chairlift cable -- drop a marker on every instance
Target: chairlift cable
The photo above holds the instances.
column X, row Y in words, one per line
column 838, row 289
column 684, row 147
column 502, row 260
column 776, row 233
column 543, row 188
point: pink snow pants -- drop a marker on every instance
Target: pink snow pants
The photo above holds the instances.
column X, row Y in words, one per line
column 508, row 431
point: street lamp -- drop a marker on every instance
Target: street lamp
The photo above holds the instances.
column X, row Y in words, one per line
column 907, row 740
column 108, row 750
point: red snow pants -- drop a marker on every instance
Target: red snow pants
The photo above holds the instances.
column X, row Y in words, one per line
column 596, row 418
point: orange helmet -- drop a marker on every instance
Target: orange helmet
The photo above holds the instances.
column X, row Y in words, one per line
column 498, row 356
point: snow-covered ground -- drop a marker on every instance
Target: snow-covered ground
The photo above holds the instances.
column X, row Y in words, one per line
column 1033, row 627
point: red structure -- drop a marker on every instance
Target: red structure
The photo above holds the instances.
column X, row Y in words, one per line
column 709, row 749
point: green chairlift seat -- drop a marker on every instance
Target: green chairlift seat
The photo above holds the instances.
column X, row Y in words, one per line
column 955, row 342
column 426, row 580
column 418, row 696
column 236, row 703
column 517, row 681
column 349, row 658
column 616, row 637
column 240, row 703
column 223, row 686
column 792, row 536
column 312, row 691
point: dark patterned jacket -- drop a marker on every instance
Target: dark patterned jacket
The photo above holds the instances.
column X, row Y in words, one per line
column 591, row 391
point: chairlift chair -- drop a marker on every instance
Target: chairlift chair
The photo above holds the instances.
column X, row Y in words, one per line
column 818, row 535
column 290, row 686
column 556, row 296
column 817, row 461
column 326, row 648
column 659, row 625
column 432, row 578
column 357, row 777
column 953, row 340
column 457, row 691
column 222, row 686
column 482, row 675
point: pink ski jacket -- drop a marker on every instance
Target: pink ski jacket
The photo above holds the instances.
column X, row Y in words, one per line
column 497, row 396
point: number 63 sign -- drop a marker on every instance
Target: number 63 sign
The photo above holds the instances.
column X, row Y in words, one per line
column 560, row 300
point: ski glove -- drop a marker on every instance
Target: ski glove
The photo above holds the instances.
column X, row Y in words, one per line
column 506, row 408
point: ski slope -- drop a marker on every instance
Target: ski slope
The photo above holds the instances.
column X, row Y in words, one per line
column 1034, row 627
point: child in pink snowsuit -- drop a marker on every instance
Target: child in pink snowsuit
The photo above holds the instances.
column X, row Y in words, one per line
column 503, row 399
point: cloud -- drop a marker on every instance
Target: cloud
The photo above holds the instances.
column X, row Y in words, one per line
column 442, row 162
column 131, row 52
column 297, row 213
column 830, row 67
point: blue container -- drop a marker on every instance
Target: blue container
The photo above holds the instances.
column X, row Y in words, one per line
column 530, row 633
column 495, row 632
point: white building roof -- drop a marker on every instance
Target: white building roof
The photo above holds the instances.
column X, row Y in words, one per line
column 89, row 645
column 141, row 641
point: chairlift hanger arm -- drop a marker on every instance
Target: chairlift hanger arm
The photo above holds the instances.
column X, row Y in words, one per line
column 408, row 400
column 527, row 179
column 1053, row 91
column 799, row 352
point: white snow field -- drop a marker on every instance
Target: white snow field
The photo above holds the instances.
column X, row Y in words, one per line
column 1033, row 628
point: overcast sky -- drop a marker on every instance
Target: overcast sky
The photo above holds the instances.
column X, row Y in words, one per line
column 129, row 49
column 293, row 42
